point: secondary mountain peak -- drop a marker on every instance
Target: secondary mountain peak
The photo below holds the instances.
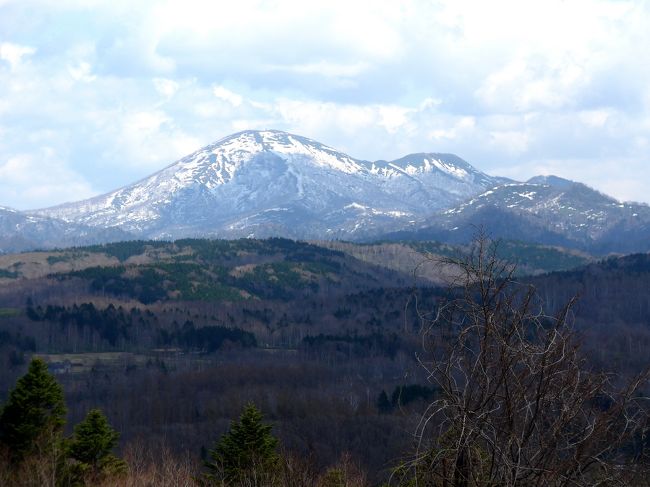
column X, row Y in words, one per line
column 551, row 180
column 548, row 210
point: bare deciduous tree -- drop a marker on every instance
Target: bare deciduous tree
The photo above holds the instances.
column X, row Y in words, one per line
column 518, row 404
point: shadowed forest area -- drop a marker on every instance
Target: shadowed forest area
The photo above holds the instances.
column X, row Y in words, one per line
column 333, row 360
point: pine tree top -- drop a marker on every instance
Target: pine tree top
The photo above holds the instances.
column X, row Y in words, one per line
column 93, row 439
column 35, row 407
column 247, row 446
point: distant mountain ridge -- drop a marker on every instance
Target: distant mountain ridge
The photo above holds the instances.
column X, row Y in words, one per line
column 272, row 183
column 547, row 210
column 262, row 183
column 20, row 231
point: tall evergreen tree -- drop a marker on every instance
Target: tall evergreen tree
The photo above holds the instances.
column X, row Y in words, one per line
column 34, row 413
column 92, row 445
column 247, row 451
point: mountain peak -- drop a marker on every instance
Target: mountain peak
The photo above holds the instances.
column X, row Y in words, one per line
column 270, row 182
column 269, row 139
column 550, row 180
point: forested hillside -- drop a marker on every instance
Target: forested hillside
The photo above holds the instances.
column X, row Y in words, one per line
column 172, row 340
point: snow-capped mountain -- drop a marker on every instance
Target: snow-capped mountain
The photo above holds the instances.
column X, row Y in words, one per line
column 548, row 210
column 272, row 183
column 261, row 183
column 19, row 231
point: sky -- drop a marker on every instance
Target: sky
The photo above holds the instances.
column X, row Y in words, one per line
column 95, row 95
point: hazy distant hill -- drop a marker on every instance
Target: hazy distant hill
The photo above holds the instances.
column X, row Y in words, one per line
column 20, row 231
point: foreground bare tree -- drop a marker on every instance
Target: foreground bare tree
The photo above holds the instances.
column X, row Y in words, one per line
column 517, row 403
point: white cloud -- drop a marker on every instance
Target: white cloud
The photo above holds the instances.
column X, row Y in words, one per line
column 595, row 118
column 41, row 179
column 165, row 87
column 82, row 72
column 459, row 128
column 121, row 89
column 392, row 117
column 14, row 53
column 144, row 123
column 533, row 84
column 324, row 68
column 511, row 141
column 226, row 95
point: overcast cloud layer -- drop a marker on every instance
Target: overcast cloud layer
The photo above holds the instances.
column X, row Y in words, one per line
column 94, row 95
